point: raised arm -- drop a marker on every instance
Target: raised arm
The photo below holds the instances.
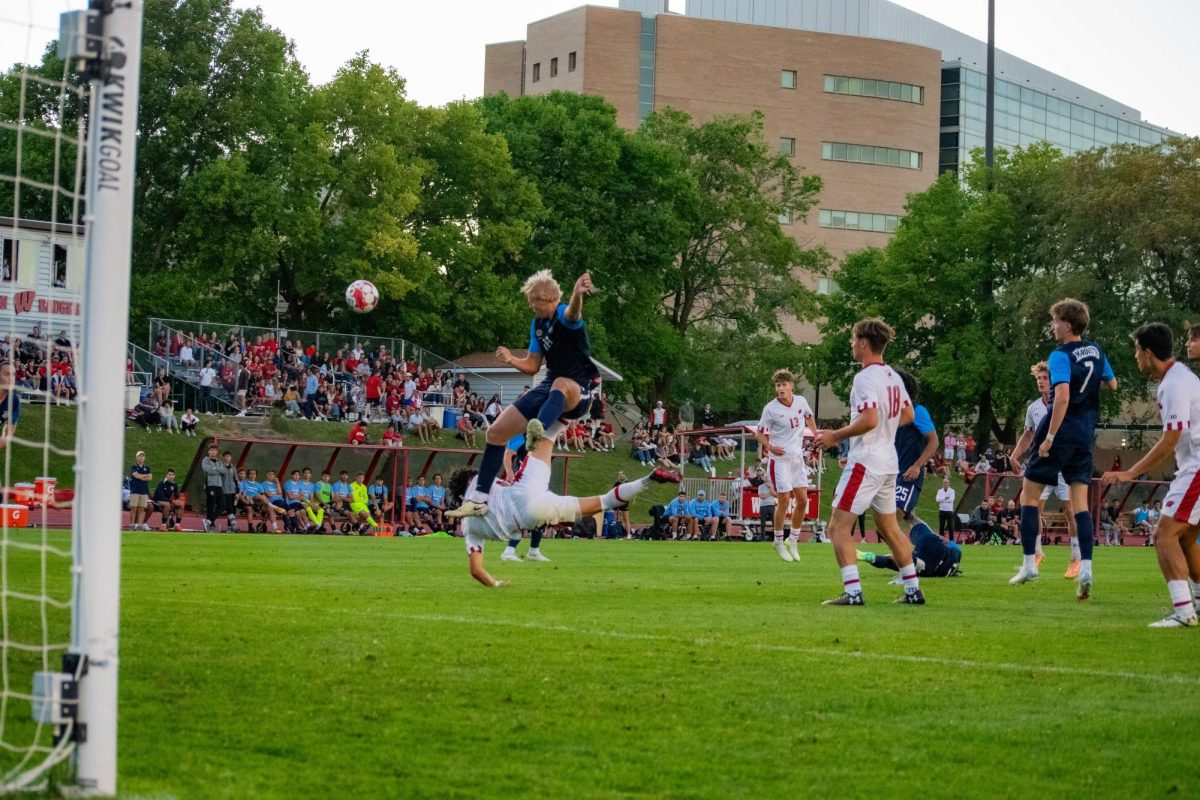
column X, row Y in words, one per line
column 583, row 286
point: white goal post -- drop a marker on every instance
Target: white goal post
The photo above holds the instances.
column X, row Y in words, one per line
column 112, row 138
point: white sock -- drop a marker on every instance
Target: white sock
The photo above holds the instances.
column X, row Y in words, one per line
column 1038, row 549
column 911, row 582
column 1029, row 563
column 533, row 550
column 556, row 428
column 795, row 536
column 850, row 580
column 620, row 495
column 510, row 551
column 1085, row 568
column 1074, row 548
column 1181, row 598
column 778, row 537
column 1195, row 588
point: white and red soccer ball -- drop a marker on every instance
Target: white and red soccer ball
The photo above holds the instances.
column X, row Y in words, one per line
column 362, row 296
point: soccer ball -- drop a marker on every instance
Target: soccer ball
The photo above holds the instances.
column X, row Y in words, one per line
column 362, row 296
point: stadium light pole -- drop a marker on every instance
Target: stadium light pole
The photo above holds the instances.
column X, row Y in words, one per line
column 989, row 141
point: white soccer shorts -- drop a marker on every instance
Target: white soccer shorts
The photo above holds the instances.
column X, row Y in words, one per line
column 785, row 473
column 1182, row 502
column 535, row 504
column 1061, row 491
column 860, row 489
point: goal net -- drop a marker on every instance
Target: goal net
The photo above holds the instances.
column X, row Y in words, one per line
column 68, row 99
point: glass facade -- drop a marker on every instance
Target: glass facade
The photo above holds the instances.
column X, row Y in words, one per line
column 1024, row 116
column 858, row 221
column 646, row 69
column 870, row 87
column 869, row 154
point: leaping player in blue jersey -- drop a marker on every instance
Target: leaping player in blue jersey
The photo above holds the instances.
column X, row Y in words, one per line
column 1063, row 440
column 557, row 336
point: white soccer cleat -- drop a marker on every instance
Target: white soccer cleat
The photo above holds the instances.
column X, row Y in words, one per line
column 793, row 549
column 535, row 555
column 1083, row 590
column 1023, row 575
column 1176, row 620
column 783, row 551
column 469, row 508
column 510, row 555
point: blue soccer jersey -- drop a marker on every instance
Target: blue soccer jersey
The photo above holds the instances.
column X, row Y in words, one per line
column 910, row 442
column 250, row 488
column 1084, row 367
column 565, row 347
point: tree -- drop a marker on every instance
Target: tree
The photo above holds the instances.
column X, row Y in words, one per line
column 954, row 282
column 679, row 224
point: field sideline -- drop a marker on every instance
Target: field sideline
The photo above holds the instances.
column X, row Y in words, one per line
column 282, row 667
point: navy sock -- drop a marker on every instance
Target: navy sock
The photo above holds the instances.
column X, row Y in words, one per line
column 513, row 543
column 489, row 466
column 1086, row 533
column 552, row 409
column 885, row 562
column 1031, row 525
column 535, row 538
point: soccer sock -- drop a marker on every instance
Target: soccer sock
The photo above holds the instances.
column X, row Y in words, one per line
column 909, row 575
column 795, row 536
column 850, row 580
column 1074, row 548
column 620, row 495
column 1195, row 589
column 1083, row 527
column 512, row 545
column 552, row 409
column 535, row 538
column 489, row 467
column 778, row 536
column 1181, row 598
column 1030, row 529
column 553, row 431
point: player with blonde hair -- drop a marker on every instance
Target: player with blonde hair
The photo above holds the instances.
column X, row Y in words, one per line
column 557, row 337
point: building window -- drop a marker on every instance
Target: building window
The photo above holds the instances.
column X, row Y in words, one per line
column 59, row 267
column 826, row 286
column 858, row 221
column 787, row 146
column 571, row 61
column 8, row 261
column 869, row 154
column 869, row 87
column 785, row 218
column 537, row 72
column 554, row 67
column 787, row 79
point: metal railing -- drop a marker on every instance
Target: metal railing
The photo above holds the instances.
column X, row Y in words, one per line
column 324, row 342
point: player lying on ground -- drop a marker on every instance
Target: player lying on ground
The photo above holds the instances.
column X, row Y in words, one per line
column 933, row 556
column 557, row 336
column 1179, row 404
column 528, row 503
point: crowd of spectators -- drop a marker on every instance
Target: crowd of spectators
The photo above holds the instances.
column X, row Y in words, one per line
column 42, row 364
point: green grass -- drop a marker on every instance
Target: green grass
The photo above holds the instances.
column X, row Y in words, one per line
column 593, row 473
column 284, row 667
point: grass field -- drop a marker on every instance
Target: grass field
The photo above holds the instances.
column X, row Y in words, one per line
column 289, row 667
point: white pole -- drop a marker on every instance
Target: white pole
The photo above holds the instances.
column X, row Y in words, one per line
column 112, row 137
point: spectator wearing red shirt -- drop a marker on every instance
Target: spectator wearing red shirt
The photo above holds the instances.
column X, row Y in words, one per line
column 358, row 433
column 392, row 437
column 374, row 385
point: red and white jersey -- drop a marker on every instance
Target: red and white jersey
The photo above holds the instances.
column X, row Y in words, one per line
column 1034, row 415
column 877, row 386
column 1179, row 404
column 786, row 426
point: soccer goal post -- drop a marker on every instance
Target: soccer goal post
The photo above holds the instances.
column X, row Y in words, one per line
column 112, row 65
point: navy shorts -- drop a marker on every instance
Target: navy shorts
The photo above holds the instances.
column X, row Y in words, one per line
column 907, row 495
column 530, row 403
column 295, row 505
column 1073, row 460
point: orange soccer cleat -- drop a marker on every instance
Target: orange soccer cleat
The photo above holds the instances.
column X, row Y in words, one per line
column 1072, row 570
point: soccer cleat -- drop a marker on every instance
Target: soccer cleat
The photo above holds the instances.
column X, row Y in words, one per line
column 1083, row 590
column 208, row 526
column 794, row 550
column 1072, row 570
column 865, row 556
column 1023, row 576
column 916, row 598
column 469, row 508
column 510, row 555
column 662, row 475
column 1038, row 559
column 534, row 433
column 534, row 555
column 846, row 599
column 783, row 551
column 1176, row 620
